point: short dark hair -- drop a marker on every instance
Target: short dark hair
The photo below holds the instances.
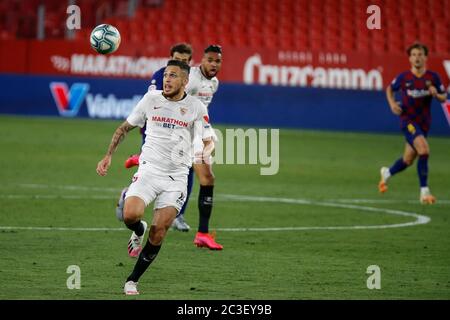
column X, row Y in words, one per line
column 417, row 45
column 213, row 48
column 181, row 48
column 182, row 65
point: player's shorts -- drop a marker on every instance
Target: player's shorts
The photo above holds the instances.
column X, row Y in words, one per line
column 166, row 191
column 411, row 131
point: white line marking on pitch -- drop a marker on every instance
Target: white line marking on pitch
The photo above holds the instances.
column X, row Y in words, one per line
column 108, row 197
column 54, row 196
column 386, row 201
column 419, row 219
column 67, row 187
column 117, row 190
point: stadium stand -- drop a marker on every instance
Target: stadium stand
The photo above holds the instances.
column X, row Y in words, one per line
column 333, row 25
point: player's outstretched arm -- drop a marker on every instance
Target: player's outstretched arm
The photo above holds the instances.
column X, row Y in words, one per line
column 395, row 108
column 118, row 136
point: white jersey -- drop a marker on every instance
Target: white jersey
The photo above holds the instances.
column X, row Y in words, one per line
column 201, row 87
column 170, row 128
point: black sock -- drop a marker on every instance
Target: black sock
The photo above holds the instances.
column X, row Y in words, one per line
column 137, row 227
column 148, row 254
column 205, row 203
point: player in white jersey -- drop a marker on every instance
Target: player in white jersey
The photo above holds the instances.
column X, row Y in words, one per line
column 173, row 118
column 182, row 52
column 203, row 84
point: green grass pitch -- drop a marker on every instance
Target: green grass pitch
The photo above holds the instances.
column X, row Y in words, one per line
column 48, row 179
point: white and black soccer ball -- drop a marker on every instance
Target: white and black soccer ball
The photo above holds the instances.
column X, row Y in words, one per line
column 105, row 39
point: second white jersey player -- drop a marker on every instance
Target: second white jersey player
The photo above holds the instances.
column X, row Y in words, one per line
column 202, row 87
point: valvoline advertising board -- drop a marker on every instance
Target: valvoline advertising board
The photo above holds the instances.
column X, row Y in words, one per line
column 70, row 97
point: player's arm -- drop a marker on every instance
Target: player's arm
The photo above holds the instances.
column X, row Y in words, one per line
column 394, row 86
column 440, row 96
column 208, row 148
column 117, row 138
column 395, row 108
column 437, row 90
column 137, row 118
column 206, row 133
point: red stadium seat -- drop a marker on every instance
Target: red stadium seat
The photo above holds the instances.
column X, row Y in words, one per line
column 331, row 44
column 362, row 46
column 333, row 25
column 6, row 34
column 347, row 44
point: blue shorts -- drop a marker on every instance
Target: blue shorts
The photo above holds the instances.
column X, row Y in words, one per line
column 411, row 131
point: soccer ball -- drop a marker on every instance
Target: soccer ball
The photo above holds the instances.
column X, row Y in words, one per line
column 105, row 39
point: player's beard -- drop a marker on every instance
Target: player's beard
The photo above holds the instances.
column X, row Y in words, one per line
column 207, row 73
column 212, row 74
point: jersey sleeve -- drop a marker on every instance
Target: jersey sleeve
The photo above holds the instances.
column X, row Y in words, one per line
column 438, row 84
column 217, row 86
column 202, row 121
column 138, row 117
column 156, row 83
column 395, row 84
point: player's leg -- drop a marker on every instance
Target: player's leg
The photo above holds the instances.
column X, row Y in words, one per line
column 133, row 213
column 410, row 153
column 407, row 159
column 167, row 205
column 132, row 161
column 142, row 191
column 121, row 204
column 180, row 223
column 205, row 203
column 205, row 199
column 423, row 151
column 162, row 220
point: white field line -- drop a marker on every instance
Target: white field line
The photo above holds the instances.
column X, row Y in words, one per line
column 66, row 187
column 219, row 196
column 117, row 190
column 387, row 201
column 419, row 219
column 55, row 196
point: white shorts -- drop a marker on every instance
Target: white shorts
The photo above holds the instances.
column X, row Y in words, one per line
column 166, row 191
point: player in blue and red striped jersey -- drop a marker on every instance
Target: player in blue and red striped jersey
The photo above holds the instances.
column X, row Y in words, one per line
column 417, row 87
